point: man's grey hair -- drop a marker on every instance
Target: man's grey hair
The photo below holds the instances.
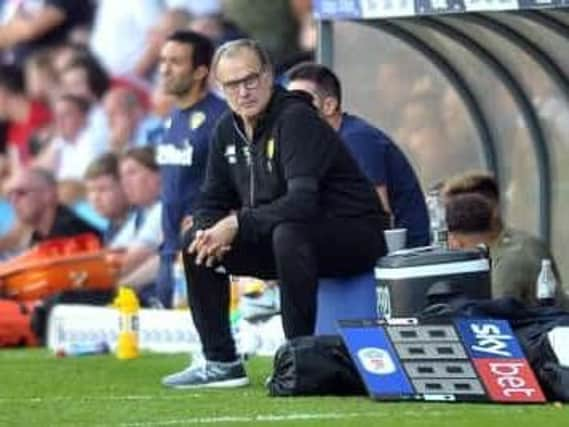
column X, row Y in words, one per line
column 234, row 47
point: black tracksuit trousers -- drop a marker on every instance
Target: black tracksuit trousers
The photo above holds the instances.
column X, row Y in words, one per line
column 296, row 255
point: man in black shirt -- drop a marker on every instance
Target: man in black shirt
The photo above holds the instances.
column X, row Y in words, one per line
column 282, row 198
column 33, row 194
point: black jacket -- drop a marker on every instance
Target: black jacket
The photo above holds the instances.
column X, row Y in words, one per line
column 296, row 169
column 66, row 224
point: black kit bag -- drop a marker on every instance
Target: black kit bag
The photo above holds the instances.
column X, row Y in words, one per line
column 314, row 365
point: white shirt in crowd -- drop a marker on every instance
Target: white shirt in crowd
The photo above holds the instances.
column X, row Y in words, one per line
column 148, row 234
column 120, row 30
column 73, row 157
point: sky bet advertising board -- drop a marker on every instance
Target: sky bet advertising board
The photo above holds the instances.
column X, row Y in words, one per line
column 500, row 361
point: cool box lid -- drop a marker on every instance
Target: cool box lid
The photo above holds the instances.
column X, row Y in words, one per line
column 430, row 261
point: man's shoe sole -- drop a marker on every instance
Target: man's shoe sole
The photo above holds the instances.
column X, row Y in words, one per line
column 237, row 382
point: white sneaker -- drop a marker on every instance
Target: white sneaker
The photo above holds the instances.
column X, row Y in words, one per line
column 209, row 374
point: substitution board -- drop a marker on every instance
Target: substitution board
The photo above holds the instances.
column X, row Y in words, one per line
column 455, row 360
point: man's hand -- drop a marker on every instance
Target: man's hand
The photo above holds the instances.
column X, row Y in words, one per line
column 211, row 244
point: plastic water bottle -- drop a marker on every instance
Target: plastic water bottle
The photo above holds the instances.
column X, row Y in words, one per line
column 546, row 284
column 127, row 304
column 180, row 291
column 82, row 349
column 438, row 220
column 383, row 301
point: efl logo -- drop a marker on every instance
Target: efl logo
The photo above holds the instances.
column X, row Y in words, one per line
column 376, row 360
column 509, row 380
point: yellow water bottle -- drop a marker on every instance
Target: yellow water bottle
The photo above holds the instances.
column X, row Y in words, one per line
column 127, row 304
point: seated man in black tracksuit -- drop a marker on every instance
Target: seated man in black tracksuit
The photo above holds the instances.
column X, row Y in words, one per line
column 282, row 198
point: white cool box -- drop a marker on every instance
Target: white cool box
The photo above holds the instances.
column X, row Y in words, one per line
column 407, row 278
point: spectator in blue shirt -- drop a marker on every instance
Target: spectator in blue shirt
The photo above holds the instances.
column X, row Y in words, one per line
column 381, row 160
column 182, row 152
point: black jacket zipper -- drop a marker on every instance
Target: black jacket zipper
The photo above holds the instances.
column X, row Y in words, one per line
column 250, row 159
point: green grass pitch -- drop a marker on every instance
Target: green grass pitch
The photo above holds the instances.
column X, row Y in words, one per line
column 38, row 389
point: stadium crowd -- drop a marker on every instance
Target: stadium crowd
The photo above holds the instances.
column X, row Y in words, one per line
column 86, row 98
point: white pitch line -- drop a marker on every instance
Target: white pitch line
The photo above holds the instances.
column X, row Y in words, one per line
column 10, row 400
column 258, row 418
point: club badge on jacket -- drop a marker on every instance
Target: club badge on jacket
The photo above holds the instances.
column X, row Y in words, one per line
column 270, row 154
column 197, row 119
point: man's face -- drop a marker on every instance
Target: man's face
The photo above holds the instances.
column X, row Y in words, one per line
column 106, row 195
column 140, row 184
column 123, row 118
column 69, row 119
column 246, row 85
column 309, row 87
column 74, row 82
column 30, row 198
column 176, row 68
